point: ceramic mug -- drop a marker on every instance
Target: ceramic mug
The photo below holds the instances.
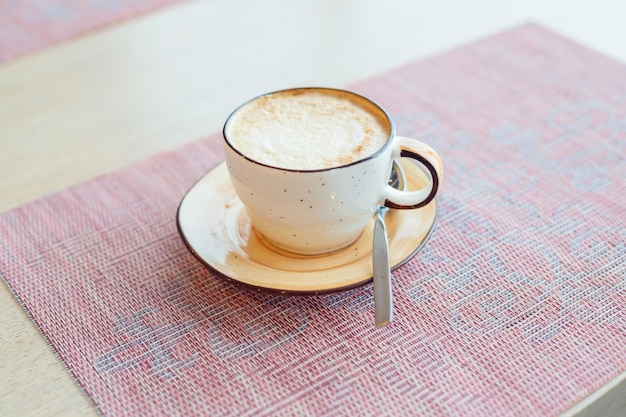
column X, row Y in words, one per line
column 313, row 211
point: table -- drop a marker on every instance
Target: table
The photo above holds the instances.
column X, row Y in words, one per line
column 106, row 99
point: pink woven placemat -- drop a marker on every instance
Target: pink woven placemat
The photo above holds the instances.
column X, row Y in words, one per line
column 516, row 307
column 29, row 25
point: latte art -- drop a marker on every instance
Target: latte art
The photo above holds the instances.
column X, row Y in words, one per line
column 308, row 129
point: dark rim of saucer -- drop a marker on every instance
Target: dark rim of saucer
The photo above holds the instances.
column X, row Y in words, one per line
column 237, row 282
column 392, row 129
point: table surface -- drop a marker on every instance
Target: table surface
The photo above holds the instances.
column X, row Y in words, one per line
column 104, row 100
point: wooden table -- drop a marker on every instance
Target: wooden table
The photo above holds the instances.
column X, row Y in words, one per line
column 102, row 101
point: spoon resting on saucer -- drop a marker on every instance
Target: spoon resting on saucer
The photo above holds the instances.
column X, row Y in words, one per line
column 383, row 295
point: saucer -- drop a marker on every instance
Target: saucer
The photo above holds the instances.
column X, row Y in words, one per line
column 214, row 225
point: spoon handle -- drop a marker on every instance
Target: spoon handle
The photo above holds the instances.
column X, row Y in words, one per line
column 383, row 298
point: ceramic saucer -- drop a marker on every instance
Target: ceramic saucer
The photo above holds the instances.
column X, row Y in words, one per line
column 215, row 227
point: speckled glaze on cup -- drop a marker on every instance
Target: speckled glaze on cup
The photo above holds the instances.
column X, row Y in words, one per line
column 318, row 211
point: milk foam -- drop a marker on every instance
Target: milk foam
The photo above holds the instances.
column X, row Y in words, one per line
column 308, row 129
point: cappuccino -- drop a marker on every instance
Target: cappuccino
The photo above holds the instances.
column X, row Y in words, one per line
column 312, row 165
column 308, row 129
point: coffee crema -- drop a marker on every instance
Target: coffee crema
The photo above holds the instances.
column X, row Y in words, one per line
column 308, row 129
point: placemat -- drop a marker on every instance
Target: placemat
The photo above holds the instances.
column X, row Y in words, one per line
column 29, row 25
column 517, row 306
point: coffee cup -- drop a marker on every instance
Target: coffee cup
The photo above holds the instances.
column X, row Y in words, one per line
column 312, row 166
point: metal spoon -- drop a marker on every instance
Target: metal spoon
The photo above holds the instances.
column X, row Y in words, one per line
column 383, row 296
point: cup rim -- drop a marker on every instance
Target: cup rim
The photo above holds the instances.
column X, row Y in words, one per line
column 392, row 130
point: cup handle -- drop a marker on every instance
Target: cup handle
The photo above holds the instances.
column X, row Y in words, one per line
column 425, row 156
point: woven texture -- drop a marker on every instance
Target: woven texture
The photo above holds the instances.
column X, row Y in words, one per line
column 516, row 307
column 29, row 25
